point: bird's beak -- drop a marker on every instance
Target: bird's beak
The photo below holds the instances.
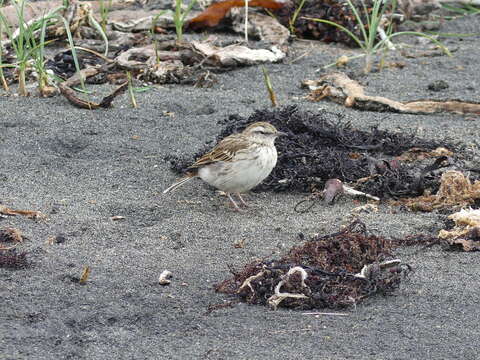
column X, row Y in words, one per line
column 281, row 133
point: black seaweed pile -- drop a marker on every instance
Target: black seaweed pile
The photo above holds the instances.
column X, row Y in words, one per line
column 323, row 146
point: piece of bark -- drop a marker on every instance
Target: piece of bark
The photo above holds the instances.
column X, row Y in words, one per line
column 235, row 55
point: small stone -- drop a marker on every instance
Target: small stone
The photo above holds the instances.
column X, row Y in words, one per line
column 438, row 85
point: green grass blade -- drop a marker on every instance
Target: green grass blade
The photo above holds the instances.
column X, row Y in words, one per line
column 100, row 30
column 142, row 89
column 74, row 52
column 188, row 9
column 43, row 33
column 293, row 20
column 359, row 21
column 375, row 19
column 451, row 34
column 365, row 11
column 435, row 41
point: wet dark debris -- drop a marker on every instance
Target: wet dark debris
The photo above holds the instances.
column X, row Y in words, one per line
column 11, row 259
column 9, row 234
column 333, row 271
column 63, row 64
column 323, row 146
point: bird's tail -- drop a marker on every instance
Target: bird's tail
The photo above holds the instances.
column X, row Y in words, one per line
column 178, row 183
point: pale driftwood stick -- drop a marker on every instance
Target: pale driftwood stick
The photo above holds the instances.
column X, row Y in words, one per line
column 340, row 88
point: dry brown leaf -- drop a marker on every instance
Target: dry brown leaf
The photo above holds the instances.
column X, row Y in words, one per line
column 216, row 12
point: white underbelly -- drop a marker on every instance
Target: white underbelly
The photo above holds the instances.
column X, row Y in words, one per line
column 240, row 175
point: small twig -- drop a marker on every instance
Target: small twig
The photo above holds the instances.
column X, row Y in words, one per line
column 306, row 53
column 8, row 247
column 28, row 213
column 350, row 191
column 214, row 307
column 268, row 84
column 325, row 313
column 103, row 57
column 85, row 275
column 290, row 330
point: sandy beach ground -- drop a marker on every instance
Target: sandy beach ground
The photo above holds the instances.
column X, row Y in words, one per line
column 82, row 167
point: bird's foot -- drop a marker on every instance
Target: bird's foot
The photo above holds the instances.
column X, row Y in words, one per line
column 241, row 200
column 235, row 205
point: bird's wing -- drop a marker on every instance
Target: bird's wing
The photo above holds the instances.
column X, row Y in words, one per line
column 224, row 151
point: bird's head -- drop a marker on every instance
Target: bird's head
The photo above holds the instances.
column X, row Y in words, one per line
column 263, row 132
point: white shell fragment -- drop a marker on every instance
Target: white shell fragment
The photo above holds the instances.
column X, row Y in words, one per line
column 164, row 277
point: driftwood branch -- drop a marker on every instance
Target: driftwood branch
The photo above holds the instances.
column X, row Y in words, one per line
column 340, row 88
column 71, row 96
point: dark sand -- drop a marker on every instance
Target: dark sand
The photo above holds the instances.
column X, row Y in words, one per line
column 83, row 167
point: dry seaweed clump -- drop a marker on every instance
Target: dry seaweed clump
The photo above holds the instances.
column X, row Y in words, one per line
column 456, row 191
column 466, row 233
column 333, row 271
column 11, row 259
column 8, row 234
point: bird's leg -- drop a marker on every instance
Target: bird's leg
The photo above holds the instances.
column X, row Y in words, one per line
column 234, row 203
column 241, row 200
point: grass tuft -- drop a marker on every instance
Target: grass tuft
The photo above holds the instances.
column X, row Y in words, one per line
column 371, row 30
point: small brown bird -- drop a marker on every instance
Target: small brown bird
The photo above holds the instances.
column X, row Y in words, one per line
column 238, row 163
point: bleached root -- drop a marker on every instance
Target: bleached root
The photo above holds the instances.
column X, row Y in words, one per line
column 350, row 191
column 178, row 184
column 278, row 297
column 248, row 281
